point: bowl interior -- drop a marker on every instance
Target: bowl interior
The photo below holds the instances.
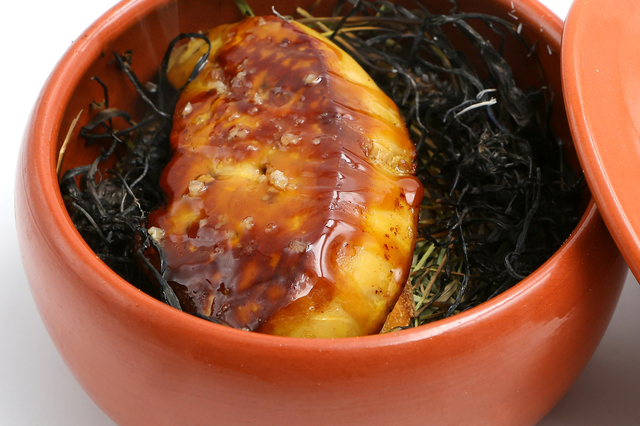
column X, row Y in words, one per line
column 146, row 28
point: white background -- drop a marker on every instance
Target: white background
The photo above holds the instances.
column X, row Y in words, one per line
column 35, row 386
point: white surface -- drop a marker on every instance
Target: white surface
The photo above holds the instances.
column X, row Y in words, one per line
column 35, row 386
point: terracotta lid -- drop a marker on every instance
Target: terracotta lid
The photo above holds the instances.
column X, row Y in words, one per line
column 601, row 83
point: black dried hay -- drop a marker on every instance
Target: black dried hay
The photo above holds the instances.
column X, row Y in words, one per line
column 499, row 199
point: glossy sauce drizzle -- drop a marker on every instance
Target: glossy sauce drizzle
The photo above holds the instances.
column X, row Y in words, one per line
column 277, row 162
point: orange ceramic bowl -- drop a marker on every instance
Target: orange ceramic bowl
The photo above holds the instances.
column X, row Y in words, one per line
column 505, row 362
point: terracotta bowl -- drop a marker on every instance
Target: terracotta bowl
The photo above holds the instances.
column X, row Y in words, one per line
column 506, row 362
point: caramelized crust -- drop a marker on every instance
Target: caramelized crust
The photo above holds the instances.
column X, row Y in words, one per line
column 403, row 311
column 291, row 206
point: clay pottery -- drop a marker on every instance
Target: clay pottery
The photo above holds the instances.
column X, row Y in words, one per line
column 505, row 362
column 600, row 60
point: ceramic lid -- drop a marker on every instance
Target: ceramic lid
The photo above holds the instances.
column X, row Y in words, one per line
column 601, row 84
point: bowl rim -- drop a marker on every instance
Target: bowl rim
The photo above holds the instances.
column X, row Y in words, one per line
column 46, row 127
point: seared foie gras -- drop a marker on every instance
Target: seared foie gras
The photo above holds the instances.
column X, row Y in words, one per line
column 291, row 208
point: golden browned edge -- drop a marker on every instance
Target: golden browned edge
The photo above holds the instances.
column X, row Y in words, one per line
column 403, row 311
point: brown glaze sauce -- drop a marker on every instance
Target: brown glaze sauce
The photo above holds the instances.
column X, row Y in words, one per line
column 277, row 147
